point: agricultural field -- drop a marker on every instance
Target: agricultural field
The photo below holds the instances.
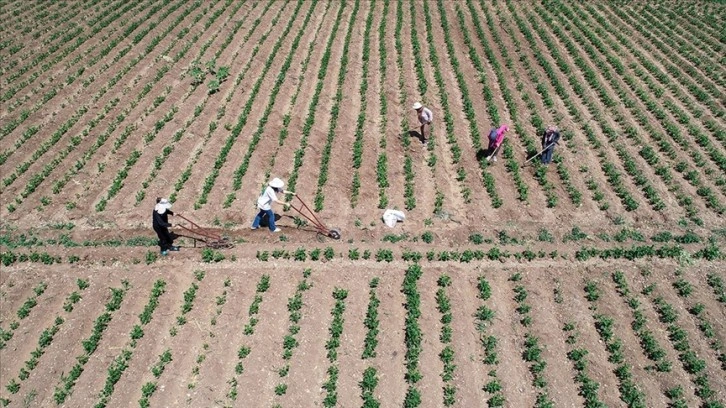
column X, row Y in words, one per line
column 595, row 281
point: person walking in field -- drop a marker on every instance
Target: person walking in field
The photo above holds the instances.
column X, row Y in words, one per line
column 550, row 138
column 496, row 138
column 425, row 116
column 264, row 204
column 161, row 224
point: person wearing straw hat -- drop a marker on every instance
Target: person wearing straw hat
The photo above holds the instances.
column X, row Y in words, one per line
column 264, row 204
column 550, row 138
column 425, row 116
column 161, row 224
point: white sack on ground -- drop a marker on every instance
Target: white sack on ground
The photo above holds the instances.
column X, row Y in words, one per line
column 391, row 217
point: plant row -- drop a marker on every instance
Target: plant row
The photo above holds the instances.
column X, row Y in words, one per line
column 630, row 392
column 409, row 174
column 382, row 162
column 61, row 182
column 289, row 342
column 256, row 137
column 312, row 107
column 413, row 335
column 121, row 362
column 484, row 317
column 642, row 119
column 360, row 121
column 613, row 176
column 22, row 312
column 456, row 152
column 540, row 172
column 648, row 342
column 678, row 336
column 336, row 330
column 186, row 174
column 61, row 393
column 532, row 353
column 262, row 286
column 334, row 112
column 447, row 353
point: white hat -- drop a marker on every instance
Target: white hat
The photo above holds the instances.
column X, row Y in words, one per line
column 417, row 106
column 162, row 206
column 276, row 183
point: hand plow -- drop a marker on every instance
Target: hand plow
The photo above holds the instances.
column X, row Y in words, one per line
column 308, row 214
column 208, row 236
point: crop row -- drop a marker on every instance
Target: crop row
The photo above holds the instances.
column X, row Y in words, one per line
column 693, row 365
column 60, row 183
column 186, row 174
column 360, row 121
column 613, row 176
column 630, row 392
column 629, row 164
column 642, row 119
column 540, row 172
column 22, row 313
column 588, row 387
column 538, row 123
column 370, row 380
column 336, row 330
column 289, row 342
column 334, row 112
column 150, row 136
column 244, row 115
column 90, row 344
column 221, row 75
column 102, row 91
column 447, row 353
column 262, row 286
column 413, row 335
column 279, row 80
column 484, row 317
column 648, row 342
column 669, row 44
column 456, row 152
column 121, row 362
column 382, row 161
column 409, row 174
column 672, row 130
column 532, row 353
column 312, row 107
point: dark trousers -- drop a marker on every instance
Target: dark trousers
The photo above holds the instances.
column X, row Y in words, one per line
column 165, row 239
column 547, row 155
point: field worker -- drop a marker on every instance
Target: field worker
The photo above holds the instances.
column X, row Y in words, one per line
column 496, row 138
column 160, row 221
column 264, row 203
column 424, row 118
column 550, row 138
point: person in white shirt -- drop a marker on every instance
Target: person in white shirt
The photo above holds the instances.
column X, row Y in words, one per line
column 264, row 203
column 425, row 116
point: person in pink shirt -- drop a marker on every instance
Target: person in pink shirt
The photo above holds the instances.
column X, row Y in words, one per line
column 496, row 137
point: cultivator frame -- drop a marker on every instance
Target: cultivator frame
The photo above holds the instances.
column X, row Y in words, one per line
column 210, row 238
column 309, row 215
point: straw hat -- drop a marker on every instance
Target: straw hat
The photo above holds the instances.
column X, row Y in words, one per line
column 162, row 206
column 276, row 183
column 417, row 106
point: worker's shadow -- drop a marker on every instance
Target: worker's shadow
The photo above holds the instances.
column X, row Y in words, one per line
column 265, row 221
column 416, row 134
column 482, row 154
